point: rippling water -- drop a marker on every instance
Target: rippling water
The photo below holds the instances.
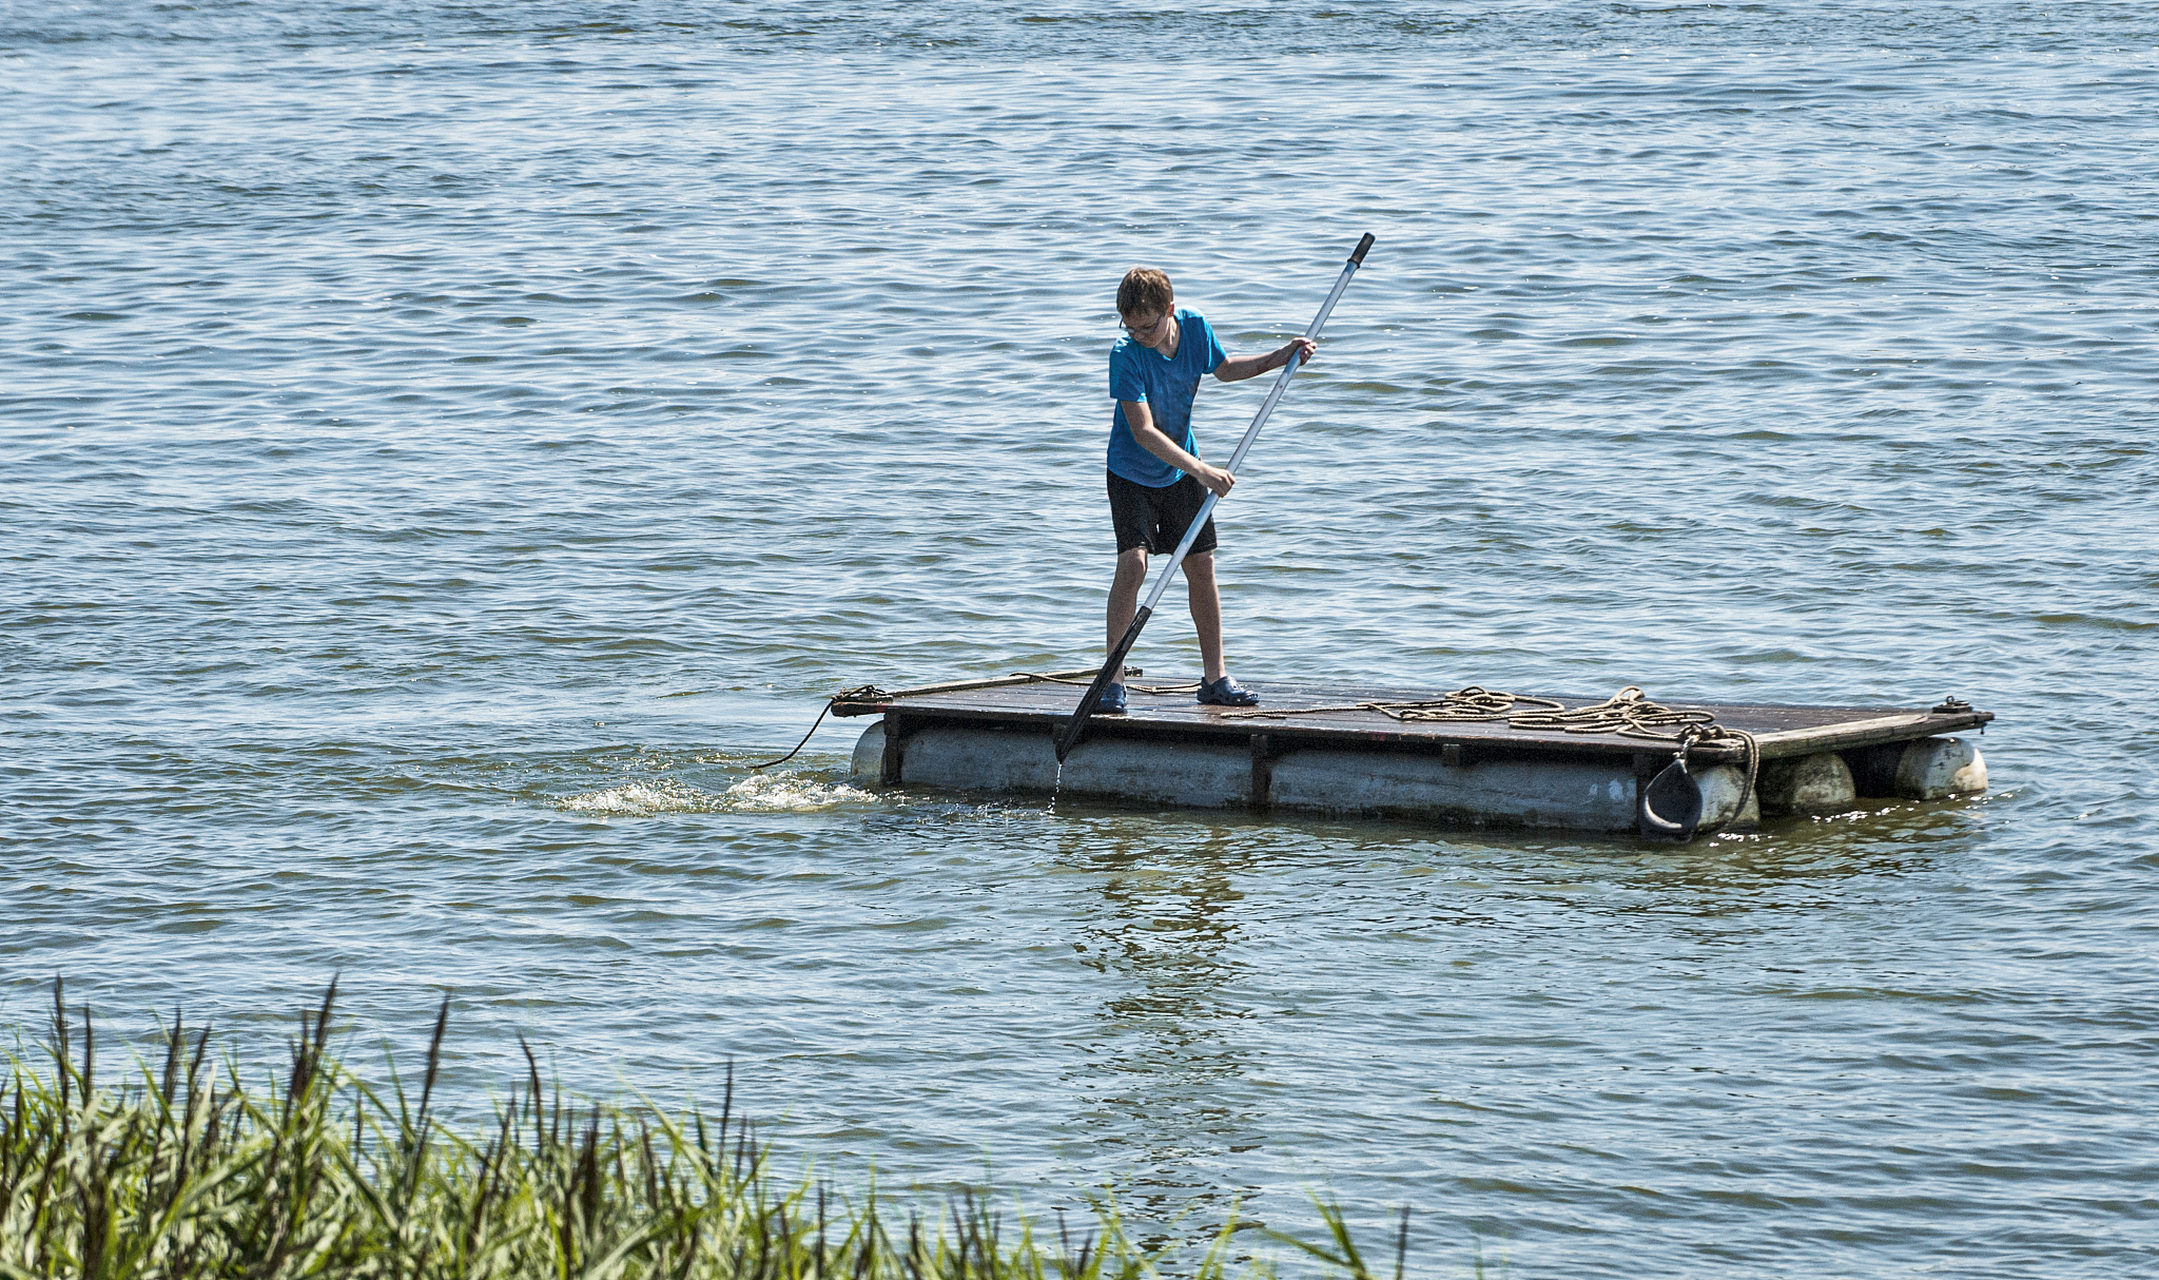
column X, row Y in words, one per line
column 448, row 443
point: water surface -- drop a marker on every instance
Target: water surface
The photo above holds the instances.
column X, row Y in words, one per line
column 447, row 444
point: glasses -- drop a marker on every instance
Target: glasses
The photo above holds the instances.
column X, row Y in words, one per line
column 1146, row 330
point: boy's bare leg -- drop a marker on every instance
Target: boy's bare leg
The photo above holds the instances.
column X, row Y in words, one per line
column 1206, row 611
column 1124, row 597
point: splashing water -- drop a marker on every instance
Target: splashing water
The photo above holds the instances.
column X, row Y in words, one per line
column 638, row 799
column 765, row 792
column 758, row 793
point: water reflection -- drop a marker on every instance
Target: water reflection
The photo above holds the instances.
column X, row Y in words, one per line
column 1167, row 1076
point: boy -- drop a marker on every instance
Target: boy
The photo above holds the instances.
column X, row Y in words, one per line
column 1156, row 479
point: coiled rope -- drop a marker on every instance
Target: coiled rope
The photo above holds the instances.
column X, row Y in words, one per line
column 1471, row 705
column 1628, row 713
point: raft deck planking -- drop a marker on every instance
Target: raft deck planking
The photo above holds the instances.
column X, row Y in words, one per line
column 1779, row 730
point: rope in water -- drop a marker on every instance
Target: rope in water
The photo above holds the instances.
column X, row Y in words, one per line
column 860, row 693
column 871, row 693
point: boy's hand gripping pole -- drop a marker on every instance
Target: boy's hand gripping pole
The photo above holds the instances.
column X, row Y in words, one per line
column 1114, row 667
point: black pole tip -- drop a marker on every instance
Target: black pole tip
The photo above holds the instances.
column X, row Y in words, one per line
column 1363, row 246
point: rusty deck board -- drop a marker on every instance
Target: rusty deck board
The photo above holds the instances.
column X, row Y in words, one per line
column 1019, row 701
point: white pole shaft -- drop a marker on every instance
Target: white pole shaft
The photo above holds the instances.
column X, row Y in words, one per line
column 1251, row 433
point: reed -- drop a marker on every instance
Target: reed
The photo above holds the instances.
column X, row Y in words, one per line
column 177, row 1168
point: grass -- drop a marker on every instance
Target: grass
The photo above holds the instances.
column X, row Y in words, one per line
column 179, row 1169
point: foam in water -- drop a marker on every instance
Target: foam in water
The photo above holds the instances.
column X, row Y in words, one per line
column 773, row 791
column 640, row 798
column 758, row 793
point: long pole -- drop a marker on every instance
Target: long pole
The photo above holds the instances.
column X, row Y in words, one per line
column 1114, row 667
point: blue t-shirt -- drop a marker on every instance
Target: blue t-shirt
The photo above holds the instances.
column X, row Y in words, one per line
column 1166, row 387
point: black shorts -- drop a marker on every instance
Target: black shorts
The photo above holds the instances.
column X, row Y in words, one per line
column 1157, row 518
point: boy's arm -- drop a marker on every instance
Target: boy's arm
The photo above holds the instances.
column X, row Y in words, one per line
column 1239, row 368
column 1150, row 437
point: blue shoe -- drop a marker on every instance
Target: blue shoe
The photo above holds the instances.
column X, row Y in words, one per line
column 1226, row 693
column 1113, row 700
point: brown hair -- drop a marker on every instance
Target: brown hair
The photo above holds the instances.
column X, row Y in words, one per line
column 1144, row 290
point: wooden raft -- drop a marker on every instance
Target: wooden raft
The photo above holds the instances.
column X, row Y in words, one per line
column 1042, row 701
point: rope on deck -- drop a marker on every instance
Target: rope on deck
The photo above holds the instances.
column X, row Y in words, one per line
column 1190, row 687
column 1628, row 713
column 1471, row 705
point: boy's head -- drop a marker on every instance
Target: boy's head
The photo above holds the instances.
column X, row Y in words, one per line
column 1145, row 293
